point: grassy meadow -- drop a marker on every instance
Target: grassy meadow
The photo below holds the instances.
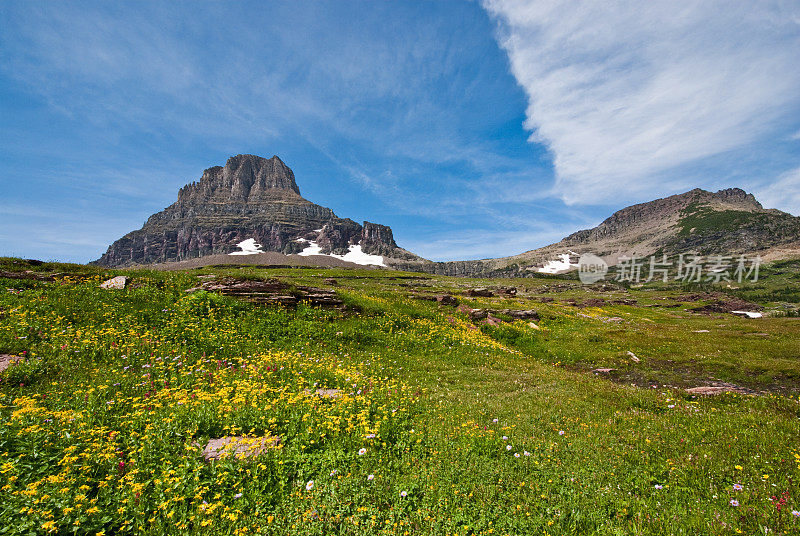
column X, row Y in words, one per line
column 440, row 424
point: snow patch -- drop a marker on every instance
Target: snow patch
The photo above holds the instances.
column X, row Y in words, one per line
column 562, row 264
column 354, row 255
column 748, row 314
column 312, row 249
column 248, row 247
column 359, row 257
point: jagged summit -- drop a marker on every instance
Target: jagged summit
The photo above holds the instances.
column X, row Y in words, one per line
column 246, row 178
column 643, row 215
column 250, row 199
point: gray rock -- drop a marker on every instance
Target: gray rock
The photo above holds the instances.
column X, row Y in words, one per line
column 238, row 446
column 491, row 320
column 118, row 282
column 324, row 393
column 480, row 292
column 521, row 314
column 446, row 299
column 6, row 360
column 477, row 314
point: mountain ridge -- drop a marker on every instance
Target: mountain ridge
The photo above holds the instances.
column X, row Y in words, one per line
column 727, row 222
column 256, row 201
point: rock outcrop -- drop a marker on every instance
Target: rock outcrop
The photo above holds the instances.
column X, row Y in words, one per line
column 249, row 198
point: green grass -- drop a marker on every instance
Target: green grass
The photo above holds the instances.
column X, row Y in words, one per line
column 702, row 220
column 141, row 376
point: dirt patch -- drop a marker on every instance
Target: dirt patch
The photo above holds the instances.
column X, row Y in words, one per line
column 592, row 302
column 727, row 305
column 696, row 297
column 719, row 303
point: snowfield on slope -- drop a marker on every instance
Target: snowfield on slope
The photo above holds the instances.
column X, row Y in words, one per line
column 248, row 247
column 355, row 255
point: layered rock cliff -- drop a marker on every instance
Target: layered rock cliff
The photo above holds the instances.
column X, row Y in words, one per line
column 249, row 198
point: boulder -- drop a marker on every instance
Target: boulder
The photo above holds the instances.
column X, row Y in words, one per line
column 446, row 299
column 521, row 314
column 478, row 314
column 480, row 293
column 118, row 283
column 324, row 393
column 6, row 360
column 491, row 320
column 239, row 446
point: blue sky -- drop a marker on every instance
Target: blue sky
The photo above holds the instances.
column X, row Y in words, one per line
column 473, row 129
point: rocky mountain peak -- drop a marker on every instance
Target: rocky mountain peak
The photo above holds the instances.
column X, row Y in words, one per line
column 667, row 209
column 736, row 196
column 246, row 178
column 250, row 198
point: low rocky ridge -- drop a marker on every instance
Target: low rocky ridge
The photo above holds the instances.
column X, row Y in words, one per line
column 249, row 199
column 727, row 222
column 271, row 292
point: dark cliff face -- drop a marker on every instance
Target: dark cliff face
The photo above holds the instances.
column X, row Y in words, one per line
column 338, row 235
column 377, row 239
column 250, row 197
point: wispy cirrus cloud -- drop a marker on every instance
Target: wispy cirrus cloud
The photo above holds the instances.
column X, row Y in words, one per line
column 414, row 115
column 782, row 193
column 622, row 92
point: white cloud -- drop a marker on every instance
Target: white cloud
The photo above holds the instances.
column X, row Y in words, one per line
column 622, row 91
column 783, row 193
